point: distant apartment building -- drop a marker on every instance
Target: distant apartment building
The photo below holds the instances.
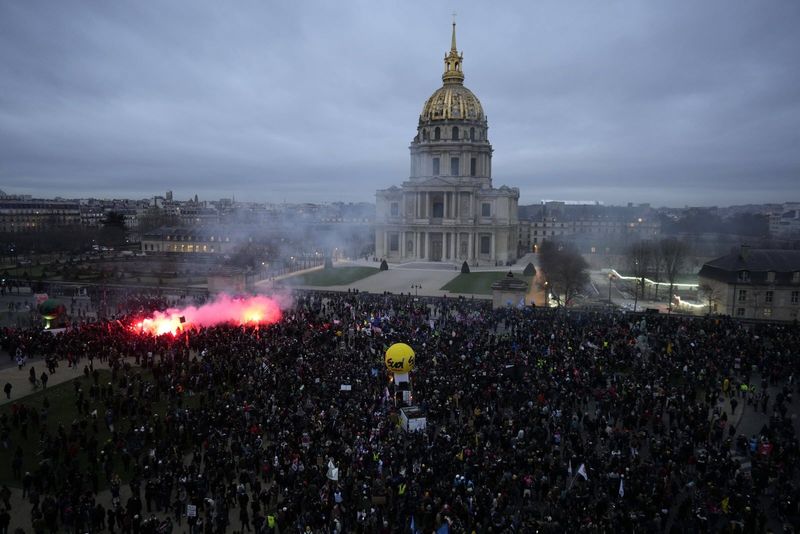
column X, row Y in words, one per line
column 592, row 228
column 784, row 223
column 188, row 240
column 95, row 211
column 754, row 284
column 26, row 214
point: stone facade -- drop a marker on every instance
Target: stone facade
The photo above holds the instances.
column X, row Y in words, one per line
column 753, row 284
column 448, row 210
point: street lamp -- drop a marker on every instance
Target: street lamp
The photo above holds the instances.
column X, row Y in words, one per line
column 416, row 287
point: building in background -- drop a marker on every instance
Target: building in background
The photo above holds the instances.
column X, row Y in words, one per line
column 448, row 210
column 593, row 228
column 784, row 223
column 25, row 214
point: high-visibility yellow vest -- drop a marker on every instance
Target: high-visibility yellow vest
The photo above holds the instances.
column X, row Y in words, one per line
column 401, row 490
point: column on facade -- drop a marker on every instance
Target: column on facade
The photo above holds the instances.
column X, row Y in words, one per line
column 469, row 246
column 427, row 244
column 403, row 244
column 494, row 245
column 454, row 248
column 449, row 245
column 385, row 244
column 444, row 215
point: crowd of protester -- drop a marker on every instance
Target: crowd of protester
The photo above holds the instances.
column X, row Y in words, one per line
column 537, row 421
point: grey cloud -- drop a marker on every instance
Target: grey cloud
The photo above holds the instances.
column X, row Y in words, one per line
column 673, row 103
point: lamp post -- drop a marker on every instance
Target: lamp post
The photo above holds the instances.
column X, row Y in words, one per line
column 416, row 287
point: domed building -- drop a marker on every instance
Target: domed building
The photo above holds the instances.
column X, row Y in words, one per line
column 448, row 210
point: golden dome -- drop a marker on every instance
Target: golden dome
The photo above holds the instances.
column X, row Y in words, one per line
column 452, row 101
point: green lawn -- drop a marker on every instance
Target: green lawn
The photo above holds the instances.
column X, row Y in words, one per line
column 479, row 283
column 63, row 411
column 337, row 276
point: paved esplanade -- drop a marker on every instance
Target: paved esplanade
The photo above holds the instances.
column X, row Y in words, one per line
column 429, row 276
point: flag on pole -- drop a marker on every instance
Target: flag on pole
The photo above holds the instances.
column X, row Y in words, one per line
column 621, row 487
column 582, row 472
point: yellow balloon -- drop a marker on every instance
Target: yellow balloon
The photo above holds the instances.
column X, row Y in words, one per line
column 399, row 358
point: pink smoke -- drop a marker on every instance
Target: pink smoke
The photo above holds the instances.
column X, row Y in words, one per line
column 257, row 310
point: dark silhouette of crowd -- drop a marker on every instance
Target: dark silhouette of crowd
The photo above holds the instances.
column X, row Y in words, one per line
column 537, row 421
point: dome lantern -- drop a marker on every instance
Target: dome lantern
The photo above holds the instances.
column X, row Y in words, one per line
column 452, row 63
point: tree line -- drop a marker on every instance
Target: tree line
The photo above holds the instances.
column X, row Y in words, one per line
column 660, row 261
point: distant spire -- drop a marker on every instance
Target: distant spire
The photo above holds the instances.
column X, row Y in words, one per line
column 452, row 61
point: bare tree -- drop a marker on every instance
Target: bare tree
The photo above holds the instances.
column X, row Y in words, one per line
column 640, row 257
column 564, row 271
column 656, row 266
column 712, row 295
column 674, row 254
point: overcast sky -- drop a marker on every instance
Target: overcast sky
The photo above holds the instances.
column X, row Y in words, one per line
column 672, row 103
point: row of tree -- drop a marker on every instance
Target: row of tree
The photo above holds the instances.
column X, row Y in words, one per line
column 660, row 261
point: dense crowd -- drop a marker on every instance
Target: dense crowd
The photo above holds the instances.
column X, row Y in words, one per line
column 537, row 421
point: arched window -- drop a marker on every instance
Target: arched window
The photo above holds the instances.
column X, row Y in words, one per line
column 437, row 134
column 472, row 134
column 424, row 135
column 455, row 133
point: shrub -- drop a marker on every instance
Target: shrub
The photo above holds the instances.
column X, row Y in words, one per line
column 465, row 268
column 530, row 270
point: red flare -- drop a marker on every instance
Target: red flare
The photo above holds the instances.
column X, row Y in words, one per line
column 258, row 310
